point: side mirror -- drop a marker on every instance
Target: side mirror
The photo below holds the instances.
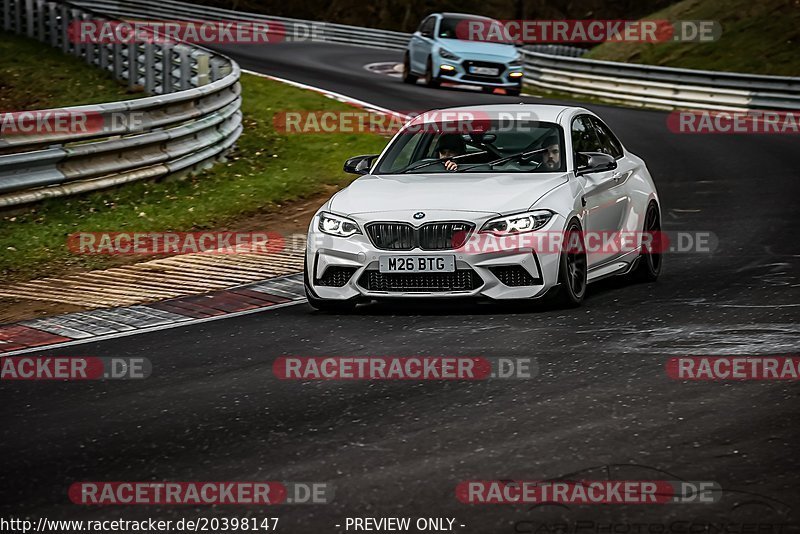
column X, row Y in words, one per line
column 360, row 164
column 591, row 162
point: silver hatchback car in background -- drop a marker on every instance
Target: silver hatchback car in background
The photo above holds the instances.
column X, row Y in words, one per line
column 443, row 49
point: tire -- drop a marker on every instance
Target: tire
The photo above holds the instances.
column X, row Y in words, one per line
column 326, row 305
column 514, row 92
column 649, row 264
column 330, row 306
column 430, row 79
column 408, row 76
column 572, row 269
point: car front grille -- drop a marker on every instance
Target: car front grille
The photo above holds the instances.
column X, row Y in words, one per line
column 459, row 280
column 499, row 66
column 336, row 276
column 514, row 276
column 429, row 236
column 392, row 236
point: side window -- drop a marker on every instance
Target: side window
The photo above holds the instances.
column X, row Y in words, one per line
column 427, row 27
column 610, row 144
column 422, row 24
column 584, row 138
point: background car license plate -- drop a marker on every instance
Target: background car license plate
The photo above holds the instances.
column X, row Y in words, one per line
column 484, row 70
column 417, row 264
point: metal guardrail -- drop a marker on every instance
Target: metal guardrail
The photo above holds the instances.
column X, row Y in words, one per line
column 552, row 67
column 192, row 120
column 662, row 87
column 295, row 29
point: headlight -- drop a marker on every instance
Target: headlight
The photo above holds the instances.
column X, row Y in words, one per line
column 446, row 54
column 336, row 225
column 519, row 223
column 516, row 62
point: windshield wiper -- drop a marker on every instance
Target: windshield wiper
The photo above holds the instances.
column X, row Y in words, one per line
column 440, row 160
column 507, row 158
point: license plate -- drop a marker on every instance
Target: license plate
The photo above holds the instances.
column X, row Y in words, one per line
column 417, row 264
column 487, row 71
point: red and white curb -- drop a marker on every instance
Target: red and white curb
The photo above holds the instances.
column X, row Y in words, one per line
column 108, row 323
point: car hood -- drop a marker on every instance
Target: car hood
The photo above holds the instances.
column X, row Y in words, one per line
column 480, row 49
column 495, row 193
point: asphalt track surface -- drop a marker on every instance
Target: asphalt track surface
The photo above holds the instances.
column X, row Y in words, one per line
column 601, row 407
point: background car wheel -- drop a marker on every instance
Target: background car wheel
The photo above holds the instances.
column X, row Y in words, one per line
column 572, row 270
column 514, row 92
column 408, row 76
column 430, row 79
column 649, row 266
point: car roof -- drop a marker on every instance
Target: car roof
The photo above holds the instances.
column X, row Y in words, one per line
column 544, row 112
column 469, row 15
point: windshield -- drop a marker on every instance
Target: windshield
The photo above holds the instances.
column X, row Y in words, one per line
column 473, row 29
column 510, row 146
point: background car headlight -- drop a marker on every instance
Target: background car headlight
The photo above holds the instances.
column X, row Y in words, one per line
column 519, row 223
column 446, row 54
column 336, row 225
column 516, row 62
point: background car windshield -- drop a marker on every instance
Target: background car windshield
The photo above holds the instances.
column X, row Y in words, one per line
column 478, row 149
column 458, row 28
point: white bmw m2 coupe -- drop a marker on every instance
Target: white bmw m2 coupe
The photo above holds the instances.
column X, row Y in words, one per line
column 501, row 201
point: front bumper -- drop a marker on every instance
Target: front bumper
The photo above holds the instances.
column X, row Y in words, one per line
column 457, row 72
column 332, row 259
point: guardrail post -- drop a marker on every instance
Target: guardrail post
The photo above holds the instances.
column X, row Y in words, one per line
column 133, row 65
column 149, row 68
column 40, row 20
column 166, row 68
column 215, row 73
column 102, row 51
column 202, row 69
column 52, row 24
column 88, row 46
column 185, row 81
column 30, row 18
column 77, row 46
column 17, row 17
column 6, row 14
column 118, row 61
column 65, row 21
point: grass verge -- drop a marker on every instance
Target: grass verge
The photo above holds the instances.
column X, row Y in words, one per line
column 266, row 170
column 761, row 37
column 36, row 76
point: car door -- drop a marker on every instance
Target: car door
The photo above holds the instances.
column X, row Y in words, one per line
column 421, row 45
column 604, row 192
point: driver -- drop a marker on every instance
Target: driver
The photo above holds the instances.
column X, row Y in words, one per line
column 449, row 146
column 551, row 159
